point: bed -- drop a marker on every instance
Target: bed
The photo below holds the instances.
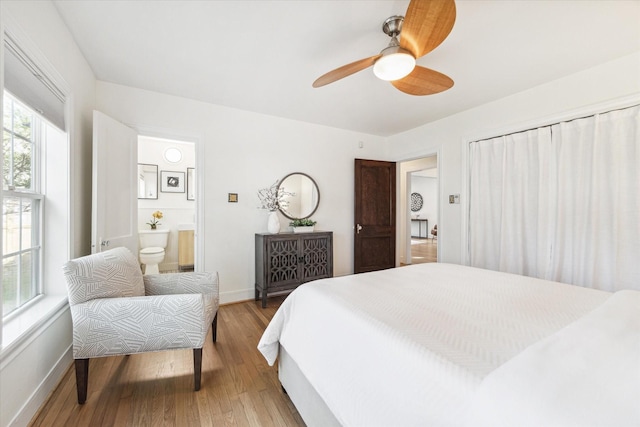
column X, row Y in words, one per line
column 442, row 344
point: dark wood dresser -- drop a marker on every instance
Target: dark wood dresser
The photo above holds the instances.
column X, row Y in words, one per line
column 286, row 260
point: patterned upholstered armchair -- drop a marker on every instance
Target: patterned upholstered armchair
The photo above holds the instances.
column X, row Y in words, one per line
column 115, row 311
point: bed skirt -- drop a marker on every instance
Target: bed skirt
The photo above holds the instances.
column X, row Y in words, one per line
column 313, row 410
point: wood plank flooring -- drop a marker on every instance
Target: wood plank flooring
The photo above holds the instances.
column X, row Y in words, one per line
column 425, row 251
column 154, row 389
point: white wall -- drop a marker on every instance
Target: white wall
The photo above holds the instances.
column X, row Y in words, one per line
column 538, row 105
column 243, row 152
column 175, row 207
column 30, row 370
column 427, row 187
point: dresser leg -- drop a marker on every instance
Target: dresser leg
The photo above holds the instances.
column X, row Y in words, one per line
column 264, row 299
column 257, row 294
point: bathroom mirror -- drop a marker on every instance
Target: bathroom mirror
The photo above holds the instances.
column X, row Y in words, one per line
column 191, row 184
column 147, row 181
column 306, row 196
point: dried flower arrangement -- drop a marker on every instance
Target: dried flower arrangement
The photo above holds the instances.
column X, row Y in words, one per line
column 274, row 197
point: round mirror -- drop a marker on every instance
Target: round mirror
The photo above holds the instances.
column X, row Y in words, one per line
column 301, row 195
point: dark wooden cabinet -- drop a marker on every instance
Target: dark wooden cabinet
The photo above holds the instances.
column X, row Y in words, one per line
column 286, row 260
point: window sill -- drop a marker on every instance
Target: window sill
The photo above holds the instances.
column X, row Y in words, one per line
column 21, row 328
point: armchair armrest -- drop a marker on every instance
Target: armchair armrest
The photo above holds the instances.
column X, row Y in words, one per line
column 115, row 326
column 182, row 283
column 205, row 284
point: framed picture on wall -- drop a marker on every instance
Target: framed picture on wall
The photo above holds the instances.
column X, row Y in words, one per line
column 191, row 184
column 172, row 182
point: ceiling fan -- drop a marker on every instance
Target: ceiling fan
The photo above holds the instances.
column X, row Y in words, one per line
column 426, row 24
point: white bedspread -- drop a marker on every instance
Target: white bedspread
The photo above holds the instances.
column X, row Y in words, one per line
column 587, row 374
column 410, row 346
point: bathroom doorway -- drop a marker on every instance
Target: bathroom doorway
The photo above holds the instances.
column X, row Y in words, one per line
column 171, row 203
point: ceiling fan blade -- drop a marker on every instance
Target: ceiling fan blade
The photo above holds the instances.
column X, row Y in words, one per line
column 345, row 70
column 426, row 24
column 423, row 81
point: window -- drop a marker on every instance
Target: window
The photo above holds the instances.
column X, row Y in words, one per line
column 21, row 204
column 37, row 218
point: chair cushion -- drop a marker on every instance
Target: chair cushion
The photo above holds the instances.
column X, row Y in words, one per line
column 110, row 274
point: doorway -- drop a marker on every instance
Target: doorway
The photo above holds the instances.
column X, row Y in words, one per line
column 174, row 162
column 419, row 210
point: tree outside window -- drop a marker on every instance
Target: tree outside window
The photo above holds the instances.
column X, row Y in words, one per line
column 20, row 206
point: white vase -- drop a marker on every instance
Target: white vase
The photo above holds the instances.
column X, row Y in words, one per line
column 273, row 223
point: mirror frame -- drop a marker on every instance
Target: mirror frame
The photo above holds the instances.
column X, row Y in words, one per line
column 315, row 208
column 157, row 182
column 191, row 183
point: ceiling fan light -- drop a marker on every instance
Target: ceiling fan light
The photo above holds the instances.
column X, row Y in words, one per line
column 394, row 65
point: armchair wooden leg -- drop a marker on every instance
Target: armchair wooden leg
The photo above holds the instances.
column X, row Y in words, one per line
column 82, row 379
column 214, row 328
column 197, row 367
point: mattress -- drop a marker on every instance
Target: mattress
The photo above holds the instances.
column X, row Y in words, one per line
column 410, row 346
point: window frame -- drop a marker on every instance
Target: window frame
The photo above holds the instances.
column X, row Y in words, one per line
column 37, row 198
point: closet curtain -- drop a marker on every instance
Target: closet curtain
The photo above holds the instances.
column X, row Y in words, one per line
column 508, row 208
column 561, row 202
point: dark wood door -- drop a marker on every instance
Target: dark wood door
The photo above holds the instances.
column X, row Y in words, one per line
column 375, row 215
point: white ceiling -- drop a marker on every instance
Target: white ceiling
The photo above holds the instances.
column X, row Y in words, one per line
column 262, row 56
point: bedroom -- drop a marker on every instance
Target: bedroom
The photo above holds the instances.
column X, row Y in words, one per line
column 245, row 159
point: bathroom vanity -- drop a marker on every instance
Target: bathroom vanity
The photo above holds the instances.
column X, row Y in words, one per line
column 186, row 243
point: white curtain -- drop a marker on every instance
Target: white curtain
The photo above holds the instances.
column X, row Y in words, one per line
column 508, row 211
column 560, row 202
column 597, row 236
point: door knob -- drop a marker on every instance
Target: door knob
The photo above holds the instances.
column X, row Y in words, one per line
column 358, row 228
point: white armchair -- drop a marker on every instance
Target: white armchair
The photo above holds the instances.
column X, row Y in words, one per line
column 115, row 311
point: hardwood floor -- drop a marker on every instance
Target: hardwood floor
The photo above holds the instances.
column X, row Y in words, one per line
column 424, row 250
column 152, row 389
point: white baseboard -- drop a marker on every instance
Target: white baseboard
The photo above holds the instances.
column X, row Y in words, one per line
column 237, row 296
column 42, row 393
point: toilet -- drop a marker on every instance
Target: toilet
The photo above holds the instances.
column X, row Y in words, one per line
column 152, row 246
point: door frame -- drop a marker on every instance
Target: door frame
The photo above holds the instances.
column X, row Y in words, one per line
column 164, row 133
column 403, row 214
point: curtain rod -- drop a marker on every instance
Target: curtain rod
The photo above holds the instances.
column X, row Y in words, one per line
column 557, row 123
